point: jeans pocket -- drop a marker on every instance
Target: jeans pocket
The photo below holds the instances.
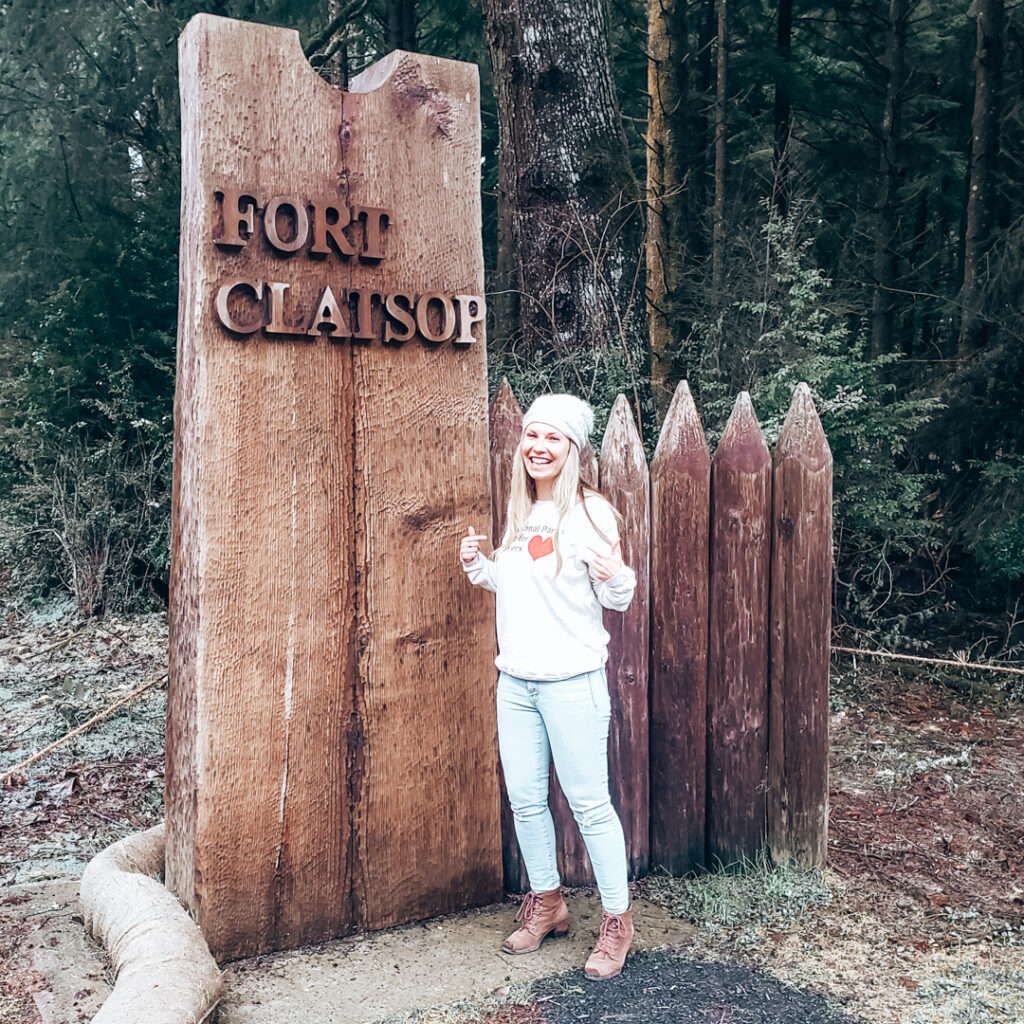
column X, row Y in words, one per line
column 599, row 692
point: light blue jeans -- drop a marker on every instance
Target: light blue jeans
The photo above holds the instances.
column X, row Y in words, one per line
column 567, row 719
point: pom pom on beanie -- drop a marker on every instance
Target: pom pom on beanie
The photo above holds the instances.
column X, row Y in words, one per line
column 566, row 413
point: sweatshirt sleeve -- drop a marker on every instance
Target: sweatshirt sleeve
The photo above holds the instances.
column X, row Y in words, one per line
column 615, row 593
column 481, row 572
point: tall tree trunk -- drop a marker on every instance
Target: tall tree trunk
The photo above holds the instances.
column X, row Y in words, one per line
column 988, row 67
column 338, row 47
column 400, row 25
column 574, row 209
column 704, row 112
column 889, row 172
column 885, row 263
column 670, row 175
column 718, row 214
column 783, row 110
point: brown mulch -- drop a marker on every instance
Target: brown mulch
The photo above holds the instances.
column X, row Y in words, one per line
column 660, row 988
column 927, row 810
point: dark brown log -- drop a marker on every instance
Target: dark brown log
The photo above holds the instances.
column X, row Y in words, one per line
column 506, row 419
column 506, row 428
column 801, row 610
column 738, row 639
column 626, row 483
column 573, row 863
column 588, row 466
column 680, row 507
column 624, row 480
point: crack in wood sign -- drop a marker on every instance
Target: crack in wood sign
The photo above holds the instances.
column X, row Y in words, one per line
column 331, row 754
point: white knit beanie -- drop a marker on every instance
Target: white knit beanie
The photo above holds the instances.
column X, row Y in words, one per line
column 566, row 413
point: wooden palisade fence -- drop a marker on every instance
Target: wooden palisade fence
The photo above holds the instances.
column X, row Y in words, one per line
column 718, row 671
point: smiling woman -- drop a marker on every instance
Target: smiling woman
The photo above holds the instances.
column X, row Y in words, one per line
column 545, row 450
column 557, row 567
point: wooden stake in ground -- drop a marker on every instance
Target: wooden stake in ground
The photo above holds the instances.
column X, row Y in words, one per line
column 738, row 639
column 506, row 419
column 680, row 505
column 331, row 764
column 801, row 619
column 626, row 482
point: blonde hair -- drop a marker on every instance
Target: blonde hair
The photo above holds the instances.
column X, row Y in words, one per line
column 568, row 489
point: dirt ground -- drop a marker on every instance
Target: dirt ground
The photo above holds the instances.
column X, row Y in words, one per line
column 919, row 918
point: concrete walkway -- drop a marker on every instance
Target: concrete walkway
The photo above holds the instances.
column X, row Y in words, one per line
column 349, row 981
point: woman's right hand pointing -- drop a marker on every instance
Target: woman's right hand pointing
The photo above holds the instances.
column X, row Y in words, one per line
column 470, row 546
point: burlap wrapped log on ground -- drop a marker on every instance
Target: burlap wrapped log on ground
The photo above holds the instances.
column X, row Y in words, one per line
column 165, row 972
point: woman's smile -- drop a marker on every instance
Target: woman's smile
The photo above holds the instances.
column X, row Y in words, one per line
column 544, row 451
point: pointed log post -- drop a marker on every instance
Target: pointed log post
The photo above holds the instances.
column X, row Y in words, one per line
column 588, row 467
column 573, row 863
column 506, row 419
column 680, row 508
column 801, row 612
column 625, row 481
column 738, row 639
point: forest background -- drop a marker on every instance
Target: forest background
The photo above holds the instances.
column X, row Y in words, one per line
column 742, row 193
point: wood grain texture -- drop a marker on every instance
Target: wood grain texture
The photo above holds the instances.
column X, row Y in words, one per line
column 626, row 483
column 738, row 639
column 506, row 428
column 429, row 830
column 801, row 613
column 680, row 508
column 321, row 630
column 588, row 467
column 624, row 479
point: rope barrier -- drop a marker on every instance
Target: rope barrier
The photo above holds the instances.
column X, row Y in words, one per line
column 953, row 663
column 10, row 773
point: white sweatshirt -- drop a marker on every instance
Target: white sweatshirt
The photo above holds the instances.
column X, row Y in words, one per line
column 550, row 627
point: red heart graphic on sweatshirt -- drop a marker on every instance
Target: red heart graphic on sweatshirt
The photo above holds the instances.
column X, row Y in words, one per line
column 540, row 546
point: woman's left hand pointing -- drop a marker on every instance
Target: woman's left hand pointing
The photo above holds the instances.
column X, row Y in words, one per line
column 604, row 567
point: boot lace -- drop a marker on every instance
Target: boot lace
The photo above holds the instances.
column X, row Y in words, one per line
column 528, row 909
column 611, row 933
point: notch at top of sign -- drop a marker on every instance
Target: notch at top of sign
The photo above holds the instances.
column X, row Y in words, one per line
column 374, row 77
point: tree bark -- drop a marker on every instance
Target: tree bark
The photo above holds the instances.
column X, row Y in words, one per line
column 783, row 109
column 988, row 66
column 670, row 222
column 718, row 214
column 338, row 61
column 401, row 24
column 568, row 198
column 889, row 174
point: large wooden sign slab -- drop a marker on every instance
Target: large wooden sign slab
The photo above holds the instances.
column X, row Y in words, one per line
column 330, row 744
